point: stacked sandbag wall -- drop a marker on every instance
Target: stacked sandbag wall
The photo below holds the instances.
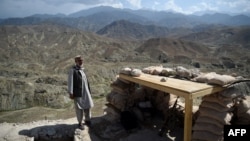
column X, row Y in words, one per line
column 117, row 99
column 215, row 111
column 128, row 96
column 231, row 106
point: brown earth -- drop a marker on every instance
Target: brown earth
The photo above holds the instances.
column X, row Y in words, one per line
column 34, row 61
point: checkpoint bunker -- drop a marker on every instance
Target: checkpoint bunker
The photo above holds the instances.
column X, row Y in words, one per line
column 210, row 101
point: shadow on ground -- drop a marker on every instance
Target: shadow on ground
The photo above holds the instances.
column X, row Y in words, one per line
column 102, row 129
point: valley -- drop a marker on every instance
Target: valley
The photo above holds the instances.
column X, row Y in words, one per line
column 36, row 54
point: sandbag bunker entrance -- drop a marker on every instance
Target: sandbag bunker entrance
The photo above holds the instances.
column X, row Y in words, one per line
column 223, row 101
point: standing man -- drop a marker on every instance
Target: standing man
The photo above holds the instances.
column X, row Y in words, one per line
column 79, row 91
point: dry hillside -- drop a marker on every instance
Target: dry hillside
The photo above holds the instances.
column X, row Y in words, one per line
column 35, row 60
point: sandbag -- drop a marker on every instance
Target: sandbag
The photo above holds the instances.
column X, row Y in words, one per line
column 120, row 84
column 183, row 72
column 214, row 106
column 154, row 70
column 223, row 117
column 227, row 103
column 221, row 80
column 204, row 77
column 200, row 126
column 118, row 100
column 136, row 72
column 195, row 72
column 126, row 71
column 204, row 119
column 168, row 72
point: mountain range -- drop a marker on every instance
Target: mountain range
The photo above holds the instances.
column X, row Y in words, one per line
column 94, row 19
column 36, row 51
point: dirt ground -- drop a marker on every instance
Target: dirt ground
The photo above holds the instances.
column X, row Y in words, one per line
column 102, row 129
column 43, row 113
column 24, row 124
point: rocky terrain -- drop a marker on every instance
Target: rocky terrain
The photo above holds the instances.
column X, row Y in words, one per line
column 36, row 53
column 103, row 129
column 35, row 60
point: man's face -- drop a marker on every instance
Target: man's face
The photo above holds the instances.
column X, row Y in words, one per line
column 79, row 62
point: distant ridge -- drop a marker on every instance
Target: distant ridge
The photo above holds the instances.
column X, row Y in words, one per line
column 126, row 30
column 96, row 18
column 91, row 11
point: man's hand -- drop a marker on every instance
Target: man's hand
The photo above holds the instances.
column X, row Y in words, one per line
column 71, row 96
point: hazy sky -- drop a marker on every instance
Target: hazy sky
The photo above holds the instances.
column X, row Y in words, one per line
column 22, row 8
